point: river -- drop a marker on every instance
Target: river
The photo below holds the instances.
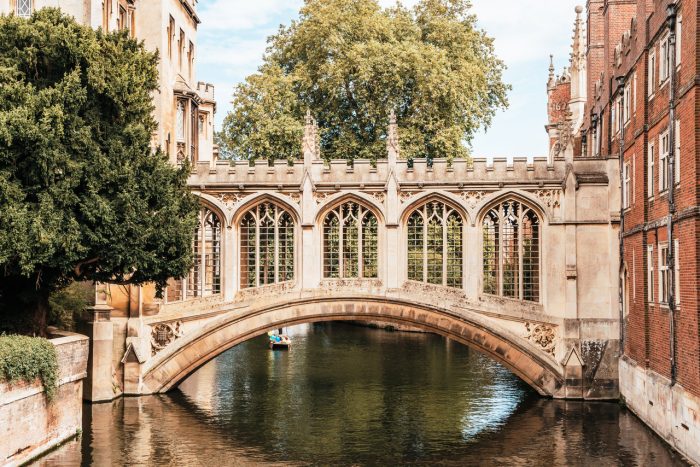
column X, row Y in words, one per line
column 351, row 395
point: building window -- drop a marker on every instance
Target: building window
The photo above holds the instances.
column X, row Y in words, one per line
column 663, row 161
column 435, row 251
column 511, row 251
column 122, row 22
column 350, row 242
column 663, row 273
column 180, row 49
column 171, row 36
column 267, row 246
column 677, row 152
column 650, row 172
column 613, row 116
column 650, row 273
column 205, row 277
column 24, row 8
column 652, row 72
column 626, row 185
column 627, row 102
column 190, row 60
column 665, row 59
column 180, row 120
column 677, row 272
column 679, row 36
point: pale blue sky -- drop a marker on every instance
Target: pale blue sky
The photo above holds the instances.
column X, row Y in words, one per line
column 233, row 33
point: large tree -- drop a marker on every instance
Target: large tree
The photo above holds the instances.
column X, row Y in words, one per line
column 83, row 197
column 351, row 62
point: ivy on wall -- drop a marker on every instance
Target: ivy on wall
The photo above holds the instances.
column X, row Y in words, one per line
column 24, row 358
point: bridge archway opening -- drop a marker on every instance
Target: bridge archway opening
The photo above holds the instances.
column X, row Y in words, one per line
column 166, row 371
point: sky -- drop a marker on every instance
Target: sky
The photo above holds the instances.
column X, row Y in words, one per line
column 233, row 36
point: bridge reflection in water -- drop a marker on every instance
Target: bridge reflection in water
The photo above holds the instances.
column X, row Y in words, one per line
column 348, row 394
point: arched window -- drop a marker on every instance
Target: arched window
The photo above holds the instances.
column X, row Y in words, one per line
column 350, row 242
column 205, row 277
column 511, row 251
column 267, row 246
column 435, row 251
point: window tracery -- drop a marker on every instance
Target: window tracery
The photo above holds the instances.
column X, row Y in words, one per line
column 435, row 246
column 511, row 251
column 350, row 242
column 267, row 246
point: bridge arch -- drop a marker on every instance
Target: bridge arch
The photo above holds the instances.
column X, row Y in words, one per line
column 187, row 354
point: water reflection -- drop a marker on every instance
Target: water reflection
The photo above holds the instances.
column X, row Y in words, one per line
column 350, row 395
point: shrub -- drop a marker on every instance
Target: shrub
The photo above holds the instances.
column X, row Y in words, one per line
column 24, row 358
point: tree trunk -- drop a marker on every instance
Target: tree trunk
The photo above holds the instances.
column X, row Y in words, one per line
column 23, row 308
column 40, row 313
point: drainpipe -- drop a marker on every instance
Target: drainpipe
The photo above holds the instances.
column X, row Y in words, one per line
column 671, row 260
column 620, row 287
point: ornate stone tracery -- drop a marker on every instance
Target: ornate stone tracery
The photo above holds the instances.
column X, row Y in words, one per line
column 164, row 334
column 230, row 200
column 472, row 198
column 542, row 335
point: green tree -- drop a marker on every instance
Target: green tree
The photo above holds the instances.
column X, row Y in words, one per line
column 82, row 195
column 351, row 62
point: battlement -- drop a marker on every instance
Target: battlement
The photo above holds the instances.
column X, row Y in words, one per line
column 419, row 172
column 205, row 90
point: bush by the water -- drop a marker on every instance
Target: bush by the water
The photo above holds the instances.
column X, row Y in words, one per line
column 24, row 358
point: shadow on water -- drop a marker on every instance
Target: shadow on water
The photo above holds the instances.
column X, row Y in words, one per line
column 349, row 395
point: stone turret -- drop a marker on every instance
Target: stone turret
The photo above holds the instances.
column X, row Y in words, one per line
column 310, row 144
column 578, row 72
column 392, row 140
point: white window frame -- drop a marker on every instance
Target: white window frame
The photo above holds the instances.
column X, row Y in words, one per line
column 29, row 8
column 650, row 273
column 626, row 185
column 679, row 34
column 664, row 59
column 652, row 72
column 626, row 114
column 614, row 116
column 650, row 170
column 634, row 94
column 663, row 274
column 677, row 153
column 677, row 271
column 663, row 161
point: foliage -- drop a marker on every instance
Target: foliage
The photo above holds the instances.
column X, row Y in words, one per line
column 350, row 62
column 67, row 306
column 25, row 358
column 83, row 197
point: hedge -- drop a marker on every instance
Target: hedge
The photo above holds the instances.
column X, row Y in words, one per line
column 25, row 358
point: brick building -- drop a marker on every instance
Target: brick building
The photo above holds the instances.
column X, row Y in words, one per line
column 640, row 68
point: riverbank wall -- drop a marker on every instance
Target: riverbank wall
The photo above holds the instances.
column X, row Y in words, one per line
column 30, row 424
column 671, row 411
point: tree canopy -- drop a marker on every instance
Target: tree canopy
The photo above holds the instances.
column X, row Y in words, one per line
column 83, row 197
column 351, row 63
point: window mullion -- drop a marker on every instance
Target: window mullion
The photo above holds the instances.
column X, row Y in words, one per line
column 444, row 247
column 276, row 253
column 257, row 248
column 425, row 245
column 360, row 252
column 341, row 243
column 500, row 260
column 521, row 260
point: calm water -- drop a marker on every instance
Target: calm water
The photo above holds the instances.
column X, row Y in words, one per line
column 348, row 395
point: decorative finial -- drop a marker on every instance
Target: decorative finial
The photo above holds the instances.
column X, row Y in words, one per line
column 551, row 65
column 578, row 9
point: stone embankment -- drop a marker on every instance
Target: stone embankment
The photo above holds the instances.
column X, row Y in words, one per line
column 30, row 424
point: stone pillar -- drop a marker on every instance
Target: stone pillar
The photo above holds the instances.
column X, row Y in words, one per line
column 98, row 385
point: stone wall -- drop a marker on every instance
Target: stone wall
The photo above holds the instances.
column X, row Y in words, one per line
column 670, row 410
column 30, row 424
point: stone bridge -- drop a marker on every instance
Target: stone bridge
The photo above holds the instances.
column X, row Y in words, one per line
column 515, row 259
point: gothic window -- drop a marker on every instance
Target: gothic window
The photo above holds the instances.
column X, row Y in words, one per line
column 24, row 8
column 180, row 120
column 205, row 277
column 267, row 246
column 350, row 242
column 511, row 251
column 435, row 253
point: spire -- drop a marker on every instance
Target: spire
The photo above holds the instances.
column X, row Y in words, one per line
column 392, row 140
column 578, row 52
column 552, row 79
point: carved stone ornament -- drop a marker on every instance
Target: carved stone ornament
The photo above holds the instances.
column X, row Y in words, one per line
column 355, row 284
column 265, row 290
column 405, row 195
column 542, row 335
column 230, row 199
column 163, row 334
column 296, row 197
column 380, row 196
column 320, row 196
column 549, row 198
column 565, row 135
column 424, row 288
column 472, row 198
